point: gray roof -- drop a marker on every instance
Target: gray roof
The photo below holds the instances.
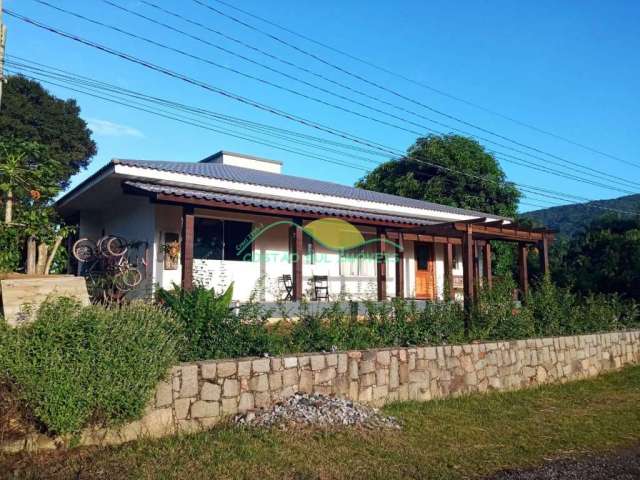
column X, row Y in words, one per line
column 290, row 182
column 234, row 199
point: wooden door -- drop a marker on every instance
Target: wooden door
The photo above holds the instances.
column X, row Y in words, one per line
column 425, row 275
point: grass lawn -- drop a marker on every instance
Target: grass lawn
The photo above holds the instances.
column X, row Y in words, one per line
column 457, row 438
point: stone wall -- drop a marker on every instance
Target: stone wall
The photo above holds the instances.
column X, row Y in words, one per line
column 198, row 395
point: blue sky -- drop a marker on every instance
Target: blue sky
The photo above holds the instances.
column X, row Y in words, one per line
column 570, row 67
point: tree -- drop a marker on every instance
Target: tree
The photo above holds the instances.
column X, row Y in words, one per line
column 423, row 175
column 604, row 258
column 30, row 113
column 24, row 171
column 28, row 184
column 415, row 176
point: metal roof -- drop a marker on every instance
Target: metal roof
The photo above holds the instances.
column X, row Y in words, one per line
column 270, row 203
column 290, row 182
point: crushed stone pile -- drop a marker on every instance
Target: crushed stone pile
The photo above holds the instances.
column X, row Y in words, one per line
column 317, row 410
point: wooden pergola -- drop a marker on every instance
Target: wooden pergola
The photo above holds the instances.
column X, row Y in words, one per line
column 476, row 234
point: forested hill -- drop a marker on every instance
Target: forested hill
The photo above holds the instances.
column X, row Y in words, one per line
column 570, row 219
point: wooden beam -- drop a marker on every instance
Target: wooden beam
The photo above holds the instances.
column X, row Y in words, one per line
column 448, row 271
column 400, row 266
column 297, row 258
column 429, row 238
column 467, row 266
column 486, row 264
column 381, row 265
column 188, row 222
column 543, row 254
column 523, row 269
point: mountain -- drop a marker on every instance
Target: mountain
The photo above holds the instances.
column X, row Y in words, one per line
column 570, row 219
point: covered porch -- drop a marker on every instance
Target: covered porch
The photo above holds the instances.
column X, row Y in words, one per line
column 413, row 258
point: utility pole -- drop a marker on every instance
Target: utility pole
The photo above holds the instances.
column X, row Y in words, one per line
column 3, row 39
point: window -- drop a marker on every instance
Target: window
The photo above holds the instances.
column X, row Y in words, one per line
column 235, row 233
column 457, row 256
column 423, row 256
column 219, row 239
column 309, row 250
column 358, row 262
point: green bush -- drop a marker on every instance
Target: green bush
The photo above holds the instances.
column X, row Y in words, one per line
column 212, row 330
column 558, row 311
column 76, row 366
column 11, row 245
column 495, row 315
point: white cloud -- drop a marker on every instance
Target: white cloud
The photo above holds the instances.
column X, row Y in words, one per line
column 105, row 127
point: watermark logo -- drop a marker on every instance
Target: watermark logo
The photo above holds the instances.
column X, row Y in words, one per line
column 332, row 233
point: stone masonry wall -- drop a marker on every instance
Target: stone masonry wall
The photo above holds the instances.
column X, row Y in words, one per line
column 198, row 395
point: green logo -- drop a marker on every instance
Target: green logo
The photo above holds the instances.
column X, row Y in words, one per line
column 332, row 233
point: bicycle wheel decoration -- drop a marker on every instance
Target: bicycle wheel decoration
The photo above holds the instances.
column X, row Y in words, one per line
column 112, row 266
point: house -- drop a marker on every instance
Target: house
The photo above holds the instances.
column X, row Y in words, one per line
column 237, row 218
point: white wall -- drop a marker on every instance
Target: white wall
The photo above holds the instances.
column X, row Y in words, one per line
column 131, row 217
column 135, row 218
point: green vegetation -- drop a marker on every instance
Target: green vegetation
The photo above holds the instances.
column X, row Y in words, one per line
column 43, row 142
column 573, row 219
column 76, row 366
column 605, row 258
column 416, row 176
column 465, row 437
column 213, row 330
column 30, row 113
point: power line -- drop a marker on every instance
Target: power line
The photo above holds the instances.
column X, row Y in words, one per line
column 190, row 121
column 616, row 180
column 424, row 85
column 377, row 85
column 278, row 112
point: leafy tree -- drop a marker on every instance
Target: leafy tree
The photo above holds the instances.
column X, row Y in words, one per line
column 417, row 176
column 604, row 258
column 24, row 171
column 28, row 185
column 31, row 113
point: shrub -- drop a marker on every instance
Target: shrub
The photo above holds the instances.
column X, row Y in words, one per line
column 75, row 366
column 212, row 330
column 558, row 311
column 495, row 315
column 555, row 310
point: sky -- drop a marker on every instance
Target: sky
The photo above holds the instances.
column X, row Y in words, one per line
column 571, row 68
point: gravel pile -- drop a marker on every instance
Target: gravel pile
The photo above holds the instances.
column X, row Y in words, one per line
column 318, row 410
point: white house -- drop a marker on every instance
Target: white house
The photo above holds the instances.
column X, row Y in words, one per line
column 211, row 207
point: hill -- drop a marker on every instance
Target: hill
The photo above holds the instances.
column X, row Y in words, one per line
column 569, row 219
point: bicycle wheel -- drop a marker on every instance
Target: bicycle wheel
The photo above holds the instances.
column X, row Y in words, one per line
column 84, row 250
column 131, row 277
column 116, row 246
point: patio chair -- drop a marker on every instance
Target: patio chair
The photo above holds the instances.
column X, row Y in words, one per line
column 287, row 282
column 320, row 287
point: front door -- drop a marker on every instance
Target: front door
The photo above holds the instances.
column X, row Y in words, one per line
column 425, row 275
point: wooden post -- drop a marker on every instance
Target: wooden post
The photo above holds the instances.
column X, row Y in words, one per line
column 297, row 258
column 400, row 267
column 477, row 279
column 448, row 271
column 543, row 254
column 381, row 265
column 523, row 269
column 467, row 266
column 486, row 264
column 188, row 221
